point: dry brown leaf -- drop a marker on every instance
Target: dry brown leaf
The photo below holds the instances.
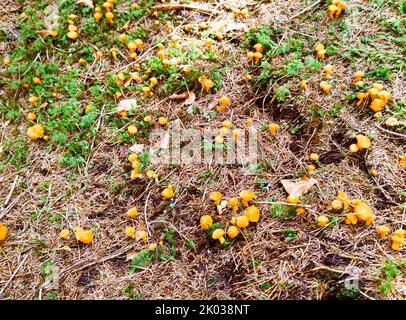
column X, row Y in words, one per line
column 212, row 104
column 179, row 96
column 190, row 99
column 298, row 187
column 137, row 148
column 131, row 255
column 126, row 105
column 88, row 3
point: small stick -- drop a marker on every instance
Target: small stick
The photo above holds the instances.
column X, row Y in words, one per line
column 169, row 7
column 13, row 275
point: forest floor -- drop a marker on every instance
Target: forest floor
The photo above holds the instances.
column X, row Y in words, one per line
column 77, row 173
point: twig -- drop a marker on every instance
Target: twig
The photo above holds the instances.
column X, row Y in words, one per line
column 13, row 275
column 169, row 7
column 305, row 10
column 145, row 211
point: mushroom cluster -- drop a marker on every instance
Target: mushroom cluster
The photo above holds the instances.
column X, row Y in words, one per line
column 320, row 50
column 84, row 236
column 251, row 214
column 363, row 142
column 72, row 28
column 376, row 95
column 257, row 55
column 336, row 8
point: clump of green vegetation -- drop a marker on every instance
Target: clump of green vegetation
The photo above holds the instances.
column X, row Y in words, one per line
column 389, row 271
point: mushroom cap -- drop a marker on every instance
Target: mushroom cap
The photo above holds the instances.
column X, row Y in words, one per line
column 363, row 142
column 216, row 196
column 131, row 45
column 109, row 15
column 328, row 68
column 377, row 86
column 337, row 204
column 233, row 201
column 206, row 222
column 400, row 232
column 224, row 100
column 383, row 229
column 3, row 232
column 130, row 232
column 293, row 198
column 242, row 222
column 322, row 220
column 314, row 157
column 139, row 42
column 358, row 74
column 252, row 213
column 72, row 35
column 232, row 232
column 132, row 213
column 35, row 132
column 351, row 218
column 354, row 148
column 227, row 124
column 319, row 47
column 167, row 193
column 217, row 234
column 84, row 236
column 247, row 195
column 64, row 234
column 250, row 54
column 362, row 211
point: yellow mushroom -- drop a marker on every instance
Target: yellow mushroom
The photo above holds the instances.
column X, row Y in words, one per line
column 216, row 197
column 109, row 17
column 232, row 232
column 351, row 218
column 322, row 220
column 383, row 231
column 206, row 222
column 218, row 234
column 35, row 132
column 273, row 128
column 64, row 234
column 84, row 236
column 233, row 202
column 328, row 69
column 168, row 192
column 363, row 142
column 337, row 205
column 357, row 76
column 293, row 199
column 252, row 214
column 3, row 232
column 130, row 232
column 242, row 222
column 325, row 87
column 246, row 196
column 132, row 213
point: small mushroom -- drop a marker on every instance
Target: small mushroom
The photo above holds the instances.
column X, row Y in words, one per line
column 132, row 213
column 242, row 222
column 218, row 234
column 252, row 213
column 246, row 196
column 130, row 232
column 216, row 197
column 233, row 202
column 383, row 231
column 168, row 192
column 64, row 234
column 322, row 220
column 3, row 232
column 293, row 199
column 232, row 232
column 357, row 76
column 206, row 222
column 273, row 128
column 84, row 236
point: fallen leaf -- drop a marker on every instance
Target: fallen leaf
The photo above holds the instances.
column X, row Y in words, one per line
column 88, row 3
column 126, row 105
column 298, row 187
column 190, row 99
column 212, row 104
column 131, row 255
column 137, row 148
column 179, row 96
